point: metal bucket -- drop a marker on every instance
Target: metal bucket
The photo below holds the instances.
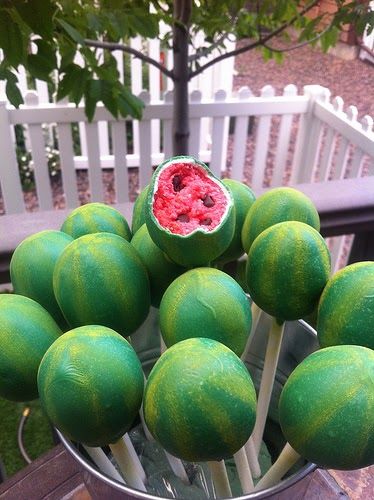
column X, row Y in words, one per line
column 299, row 340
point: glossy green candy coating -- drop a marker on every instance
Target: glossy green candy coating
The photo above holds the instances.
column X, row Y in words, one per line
column 91, row 385
column 326, row 409
column 31, row 269
column 139, row 210
column 199, row 401
column 161, row 270
column 199, row 247
column 100, row 279
column 206, row 302
column 94, row 218
column 288, row 267
column 243, row 200
column 26, row 332
column 346, row 308
column 278, row 205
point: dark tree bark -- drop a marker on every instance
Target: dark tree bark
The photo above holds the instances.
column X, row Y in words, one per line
column 181, row 132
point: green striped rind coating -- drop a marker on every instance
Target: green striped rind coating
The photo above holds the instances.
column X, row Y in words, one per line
column 274, row 206
column 100, row 279
column 244, row 198
column 200, row 247
column 326, row 408
column 346, row 308
column 96, row 218
column 26, row 332
column 287, row 269
column 31, row 269
column 199, row 401
column 91, row 385
column 206, row 302
column 161, row 270
column 139, row 210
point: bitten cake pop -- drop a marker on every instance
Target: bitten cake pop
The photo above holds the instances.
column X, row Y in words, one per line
column 94, row 218
column 243, row 200
column 100, row 279
column 26, row 332
column 278, row 205
column 161, row 270
column 31, row 269
column 206, row 302
column 346, row 308
column 199, row 401
column 91, row 384
column 288, row 267
column 190, row 213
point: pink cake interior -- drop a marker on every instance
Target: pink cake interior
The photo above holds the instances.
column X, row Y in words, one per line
column 187, row 199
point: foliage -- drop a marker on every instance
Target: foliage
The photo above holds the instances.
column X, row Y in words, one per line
column 45, row 36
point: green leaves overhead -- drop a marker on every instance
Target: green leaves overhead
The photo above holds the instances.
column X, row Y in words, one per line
column 11, row 40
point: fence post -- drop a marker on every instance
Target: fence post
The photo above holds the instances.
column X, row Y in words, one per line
column 308, row 138
column 9, row 176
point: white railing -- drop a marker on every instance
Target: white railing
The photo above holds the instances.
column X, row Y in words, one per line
column 294, row 138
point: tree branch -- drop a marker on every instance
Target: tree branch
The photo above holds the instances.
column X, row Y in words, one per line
column 129, row 50
column 298, row 45
column 204, row 52
column 257, row 43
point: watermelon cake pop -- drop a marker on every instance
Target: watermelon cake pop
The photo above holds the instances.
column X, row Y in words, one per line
column 346, row 307
column 199, row 401
column 26, row 332
column 32, row 266
column 161, row 270
column 278, row 205
column 94, row 218
column 326, row 409
column 100, row 279
column 206, row 302
column 190, row 213
column 288, row 267
column 91, row 385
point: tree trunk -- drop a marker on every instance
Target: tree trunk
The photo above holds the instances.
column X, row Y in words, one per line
column 181, row 132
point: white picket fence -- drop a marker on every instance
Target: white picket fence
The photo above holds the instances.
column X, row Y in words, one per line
column 295, row 138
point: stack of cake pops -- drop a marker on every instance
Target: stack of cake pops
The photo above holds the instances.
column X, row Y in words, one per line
column 83, row 293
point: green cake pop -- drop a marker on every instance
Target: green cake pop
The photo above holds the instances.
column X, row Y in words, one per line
column 199, row 401
column 100, row 279
column 31, row 269
column 346, row 308
column 26, row 332
column 288, row 267
column 278, row 205
column 94, row 218
column 326, row 409
column 206, row 302
column 91, row 385
column 161, row 270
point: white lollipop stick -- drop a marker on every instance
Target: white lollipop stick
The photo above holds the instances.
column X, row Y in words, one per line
column 220, row 479
column 126, row 465
column 244, row 472
column 287, row 458
column 256, row 315
column 134, row 457
column 162, row 345
column 252, row 458
column 103, row 463
column 267, row 381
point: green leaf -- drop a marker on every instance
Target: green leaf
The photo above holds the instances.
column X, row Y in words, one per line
column 107, row 96
column 11, row 39
column 38, row 15
column 72, row 32
column 38, row 67
column 128, row 104
column 13, row 93
column 69, row 81
column 145, row 25
column 92, row 96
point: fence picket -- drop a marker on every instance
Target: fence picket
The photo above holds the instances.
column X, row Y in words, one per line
column 219, row 138
column 120, row 163
column 240, row 138
column 283, row 141
column 261, row 143
column 154, row 89
column 136, row 86
column 69, row 179
column 145, row 153
column 94, row 166
column 167, row 128
column 195, row 126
